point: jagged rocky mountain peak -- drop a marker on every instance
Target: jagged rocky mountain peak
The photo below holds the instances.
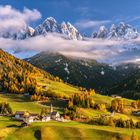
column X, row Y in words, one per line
column 49, row 25
column 118, row 31
column 50, row 19
column 102, row 32
column 66, row 29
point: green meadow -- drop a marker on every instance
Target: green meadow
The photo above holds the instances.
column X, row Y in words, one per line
column 63, row 131
column 11, row 130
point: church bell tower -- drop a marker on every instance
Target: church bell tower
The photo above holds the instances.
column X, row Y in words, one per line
column 51, row 108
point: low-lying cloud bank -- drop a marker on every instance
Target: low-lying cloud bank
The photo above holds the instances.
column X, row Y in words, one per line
column 54, row 42
column 103, row 50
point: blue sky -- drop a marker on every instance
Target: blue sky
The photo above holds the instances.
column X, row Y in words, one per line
column 96, row 11
column 86, row 15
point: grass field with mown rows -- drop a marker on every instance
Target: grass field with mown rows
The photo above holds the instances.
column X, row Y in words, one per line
column 69, row 131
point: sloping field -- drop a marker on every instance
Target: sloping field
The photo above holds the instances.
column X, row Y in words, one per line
column 68, row 131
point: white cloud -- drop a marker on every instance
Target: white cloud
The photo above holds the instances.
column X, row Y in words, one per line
column 13, row 20
column 57, row 42
column 132, row 19
column 85, row 24
column 99, row 49
column 102, row 50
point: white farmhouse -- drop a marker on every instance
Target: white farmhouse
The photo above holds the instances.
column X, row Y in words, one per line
column 20, row 115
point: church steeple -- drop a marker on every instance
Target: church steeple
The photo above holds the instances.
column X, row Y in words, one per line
column 51, row 108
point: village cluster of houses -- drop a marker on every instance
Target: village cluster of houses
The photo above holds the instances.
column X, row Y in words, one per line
column 28, row 118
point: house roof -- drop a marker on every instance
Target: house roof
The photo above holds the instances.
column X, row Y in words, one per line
column 138, row 111
column 33, row 114
column 21, row 112
column 54, row 113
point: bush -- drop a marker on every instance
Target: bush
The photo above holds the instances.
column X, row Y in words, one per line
column 5, row 108
column 100, row 106
column 117, row 105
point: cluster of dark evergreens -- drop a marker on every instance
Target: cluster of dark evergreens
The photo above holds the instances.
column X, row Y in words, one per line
column 5, row 108
column 44, row 112
column 87, row 101
column 126, row 123
column 71, row 112
column 109, row 121
column 129, row 87
column 84, row 100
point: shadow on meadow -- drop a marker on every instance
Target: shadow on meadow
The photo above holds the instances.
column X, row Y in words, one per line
column 37, row 134
column 16, row 97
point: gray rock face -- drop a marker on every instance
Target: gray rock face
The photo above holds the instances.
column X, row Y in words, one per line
column 120, row 31
column 50, row 25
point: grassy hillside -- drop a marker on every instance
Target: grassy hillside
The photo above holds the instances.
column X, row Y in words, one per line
column 81, row 72
column 122, row 79
column 23, row 103
column 56, row 88
column 19, row 102
column 18, row 76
